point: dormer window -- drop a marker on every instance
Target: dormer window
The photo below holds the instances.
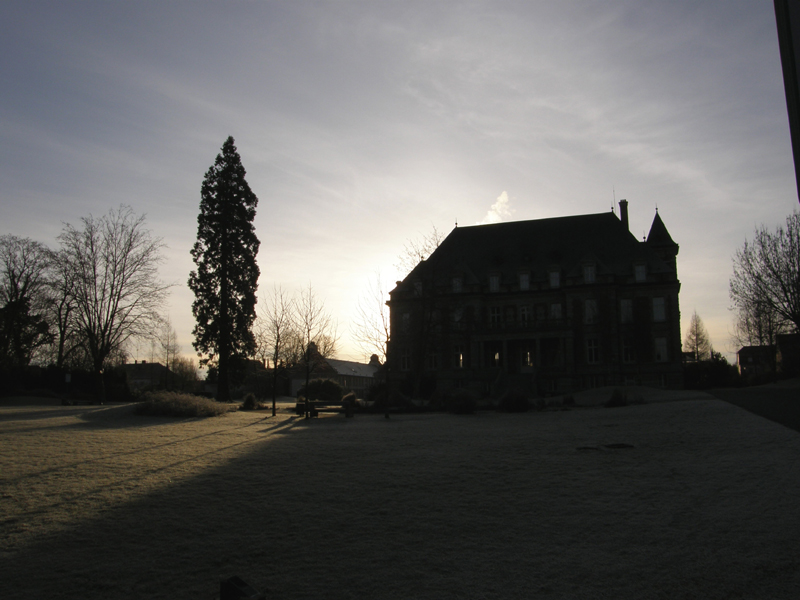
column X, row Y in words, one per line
column 458, row 285
column 494, row 283
column 524, row 281
column 589, row 273
column 555, row 279
column 640, row 272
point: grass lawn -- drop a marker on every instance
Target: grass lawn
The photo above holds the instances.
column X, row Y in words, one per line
column 683, row 499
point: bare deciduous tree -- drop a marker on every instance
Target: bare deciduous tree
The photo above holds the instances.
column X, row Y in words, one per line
column 756, row 325
column 273, row 331
column 371, row 329
column 67, row 344
column 315, row 336
column 24, row 278
column 118, row 295
column 418, row 249
column 765, row 285
column 697, row 341
column 170, row 349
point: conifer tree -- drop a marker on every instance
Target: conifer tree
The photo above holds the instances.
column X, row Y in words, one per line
column 697, row 341
column 226, row 278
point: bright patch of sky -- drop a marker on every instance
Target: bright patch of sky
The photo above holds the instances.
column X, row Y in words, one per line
column 361, row 124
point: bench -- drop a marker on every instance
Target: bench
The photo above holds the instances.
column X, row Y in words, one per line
column 316, row 407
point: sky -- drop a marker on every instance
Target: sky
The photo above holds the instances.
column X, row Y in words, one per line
column 363, row 124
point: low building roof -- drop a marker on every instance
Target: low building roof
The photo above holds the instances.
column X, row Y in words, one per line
column 351, row 368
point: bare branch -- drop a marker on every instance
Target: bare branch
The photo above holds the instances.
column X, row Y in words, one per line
column 370, row 329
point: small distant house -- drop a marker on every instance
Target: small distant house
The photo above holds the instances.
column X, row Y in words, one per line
column 352, row 376
column 783, row 357
column 143, row 374
column 755, row 360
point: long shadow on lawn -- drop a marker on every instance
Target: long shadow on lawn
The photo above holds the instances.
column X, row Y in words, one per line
column 778, row 404
column 435, row 507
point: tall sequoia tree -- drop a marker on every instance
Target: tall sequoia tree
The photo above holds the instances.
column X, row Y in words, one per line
column 226, row 278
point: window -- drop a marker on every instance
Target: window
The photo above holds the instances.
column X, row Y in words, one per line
column 524, row 281
column 588, row 274
column 458, row 314
column 418, row 288
column 628, row 355
column 626, row 311
column 495, row 316
column 524, row 314
column 433, row 360
column 540, row 312
column 527, row 356
column 592, row 351
column 640, row 272
column 659, row 311
column 496, row 359
column 555, row 279
column 590, row 312
column 458, row 357
column 555, row 312
column 406, row 325
column 458, row 285
column 405, row 360
column 661, row 349
column 494, row 283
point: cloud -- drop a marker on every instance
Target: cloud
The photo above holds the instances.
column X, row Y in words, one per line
column 500, row 210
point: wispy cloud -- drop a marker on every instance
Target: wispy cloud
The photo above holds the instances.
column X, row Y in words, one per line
column 499, row 211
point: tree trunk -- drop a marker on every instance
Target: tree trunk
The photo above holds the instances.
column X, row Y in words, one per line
column 223, row 385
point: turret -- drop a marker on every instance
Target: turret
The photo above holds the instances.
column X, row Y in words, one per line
column 662, row 244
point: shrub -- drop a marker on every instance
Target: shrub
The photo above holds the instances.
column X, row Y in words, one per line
column 378, row 394
column 250, row 403
column 514, row 400
column 461, row 402
column 174, row 404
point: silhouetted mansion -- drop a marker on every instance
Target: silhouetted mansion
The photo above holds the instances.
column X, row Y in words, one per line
column 551, row 306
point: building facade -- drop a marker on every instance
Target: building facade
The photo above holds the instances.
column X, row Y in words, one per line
column 550, row 306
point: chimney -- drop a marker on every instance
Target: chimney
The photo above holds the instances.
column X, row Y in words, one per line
column 623, row 213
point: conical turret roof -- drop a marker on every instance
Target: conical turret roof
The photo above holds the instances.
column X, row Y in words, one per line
column 659, row 236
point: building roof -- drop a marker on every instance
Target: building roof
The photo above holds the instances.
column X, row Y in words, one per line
column 540, row 245
column 351, row 368
column 659, row 236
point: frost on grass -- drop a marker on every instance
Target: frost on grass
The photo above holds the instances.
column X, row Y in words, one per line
column 174, row 404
